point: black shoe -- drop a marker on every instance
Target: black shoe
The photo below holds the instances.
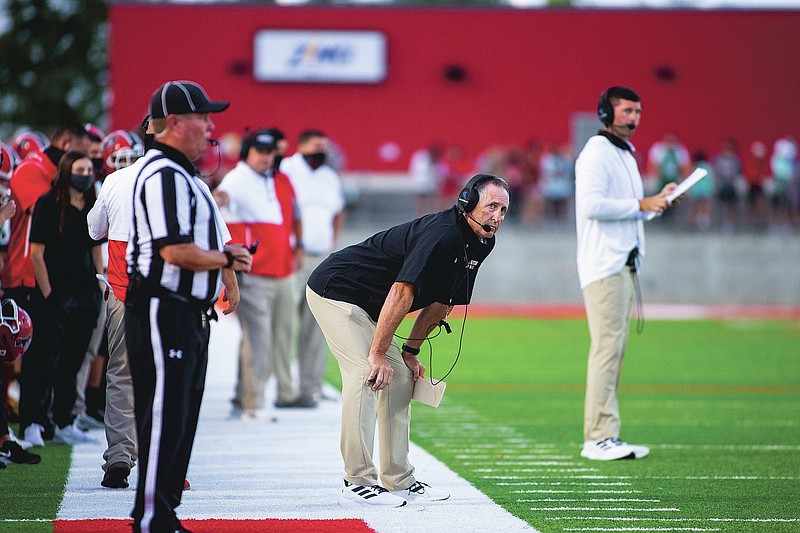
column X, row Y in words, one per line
column 117, row 476
column 11, row 452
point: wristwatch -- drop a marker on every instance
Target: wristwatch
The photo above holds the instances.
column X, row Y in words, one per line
column 409, row 349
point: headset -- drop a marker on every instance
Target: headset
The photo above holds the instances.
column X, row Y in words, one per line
column 469, row 196
column 245, row 147
column 605, row 110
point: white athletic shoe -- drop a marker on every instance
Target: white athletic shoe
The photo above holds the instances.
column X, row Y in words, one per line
column 422, row 492
column 609, row 449
column 85, row 422
column 24, row 444
column 639, row 451
column 369, row 495
column 33, row 434
column 71, row 435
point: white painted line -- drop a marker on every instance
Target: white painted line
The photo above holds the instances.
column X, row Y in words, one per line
column 641, row 529
column 568, row 483
column 626, row 509
column 590, row 500
column 677, row 519
column 566, row 491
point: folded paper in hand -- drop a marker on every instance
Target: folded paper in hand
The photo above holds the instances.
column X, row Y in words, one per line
column 428, row 393
column 682, row 187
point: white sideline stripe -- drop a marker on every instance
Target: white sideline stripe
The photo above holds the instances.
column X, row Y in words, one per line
column 287, row 469
column 576, row 491
column 556, row 483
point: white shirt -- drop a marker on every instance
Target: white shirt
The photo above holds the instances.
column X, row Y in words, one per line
column 609, row 224
column 251, row 197
column 319, row 197
column 111, row 214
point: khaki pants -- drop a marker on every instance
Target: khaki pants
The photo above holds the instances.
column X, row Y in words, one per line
column 349, row 332
column 608, row 311
column 266, row 313
column 120, row 420
column 312, row 354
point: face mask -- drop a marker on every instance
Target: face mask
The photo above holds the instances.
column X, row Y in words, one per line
column 276, row 164
column 149, row 139
column 315, row 160
column 97, row 163
column 82, row 182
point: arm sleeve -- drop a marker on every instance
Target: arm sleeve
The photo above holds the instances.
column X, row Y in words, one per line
column 97, row 218
column 43, row 222
column 593, row 176
column 420, row 253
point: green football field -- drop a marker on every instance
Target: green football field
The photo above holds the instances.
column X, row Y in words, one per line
column 718, row 402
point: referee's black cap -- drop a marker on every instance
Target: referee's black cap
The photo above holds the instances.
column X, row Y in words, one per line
column 182, row 98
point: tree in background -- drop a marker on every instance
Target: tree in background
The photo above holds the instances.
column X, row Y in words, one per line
column 53, row 69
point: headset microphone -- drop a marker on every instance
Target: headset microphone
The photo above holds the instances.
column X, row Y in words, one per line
column 213, row 142
column 631, row 126
column 486, row 227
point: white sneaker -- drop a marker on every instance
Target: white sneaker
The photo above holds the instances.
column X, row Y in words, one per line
column 33, row 434
column 24, row 444
column 422, row 491
column 85, row 422
column 639, row 451
column 71, row 435
column 372, row 495
column 608, row 449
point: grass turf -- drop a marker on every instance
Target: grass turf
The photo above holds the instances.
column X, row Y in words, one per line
column 718, row 402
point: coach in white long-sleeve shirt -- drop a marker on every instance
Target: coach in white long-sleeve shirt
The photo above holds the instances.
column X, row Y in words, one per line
column 610, row 208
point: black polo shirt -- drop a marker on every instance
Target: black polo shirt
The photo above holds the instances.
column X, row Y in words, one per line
column 439, row 253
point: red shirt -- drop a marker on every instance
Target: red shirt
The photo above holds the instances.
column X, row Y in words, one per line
column 30, row 180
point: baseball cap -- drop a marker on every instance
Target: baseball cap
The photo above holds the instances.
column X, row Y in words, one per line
column 182, row 98
column 263, row 139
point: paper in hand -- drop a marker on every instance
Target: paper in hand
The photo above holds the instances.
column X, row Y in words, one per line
column 682, row 187
column 428, row 393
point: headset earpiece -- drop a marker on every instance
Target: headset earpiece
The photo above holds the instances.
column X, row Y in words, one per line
column 469, row 196
column 605, row 110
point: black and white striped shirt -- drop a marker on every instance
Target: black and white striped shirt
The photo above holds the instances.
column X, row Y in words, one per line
column 171, row 205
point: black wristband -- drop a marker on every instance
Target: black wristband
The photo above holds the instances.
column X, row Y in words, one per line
column 230, row 257
column 409, row 349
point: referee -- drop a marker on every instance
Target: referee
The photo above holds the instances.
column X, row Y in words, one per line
column 177, row 263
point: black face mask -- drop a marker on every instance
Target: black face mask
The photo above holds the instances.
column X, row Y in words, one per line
column 149, row 139
column 276, row 164
column 97, row 163
column 82, row 182
column 315, row 160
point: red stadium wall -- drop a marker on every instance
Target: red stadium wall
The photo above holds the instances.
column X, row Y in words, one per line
column 527, row 72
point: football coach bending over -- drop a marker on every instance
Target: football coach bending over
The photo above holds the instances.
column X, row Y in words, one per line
column 360, row 294
column 177, row 263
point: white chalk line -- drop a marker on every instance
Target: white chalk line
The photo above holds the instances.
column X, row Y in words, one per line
column 565, row 491
column 641, row 529
column 624, row 509
column 592, row 500
column 676, row 519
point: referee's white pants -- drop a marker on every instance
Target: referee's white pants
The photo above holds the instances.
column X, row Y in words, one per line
column 349, row 332
column 608, row 311
column 267, row 313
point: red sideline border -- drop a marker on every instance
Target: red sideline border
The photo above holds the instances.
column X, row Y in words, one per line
column 654, row 311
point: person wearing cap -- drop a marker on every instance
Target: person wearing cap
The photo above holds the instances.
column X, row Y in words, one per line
column 177, row 263
column 259, row 205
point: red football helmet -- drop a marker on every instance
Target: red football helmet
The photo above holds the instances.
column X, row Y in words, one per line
column 16, row 330
column 120, row 149
column 30, row 142
column 8, row 161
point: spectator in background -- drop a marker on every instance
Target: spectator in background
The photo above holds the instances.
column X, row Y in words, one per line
column 455, row 168
column 259, row 205
column 786, row 195
column 701, row 194
column 729, row 176
column 427, row 173
column 557, row 181
column 95, row 150
column 30, row 180
column 65, row 262
column 757, row 174
column 321, row 203
column 532, row 198
column 668, row 160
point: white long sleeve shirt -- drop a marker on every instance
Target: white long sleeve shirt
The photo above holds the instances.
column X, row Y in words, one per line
column 609, row 224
